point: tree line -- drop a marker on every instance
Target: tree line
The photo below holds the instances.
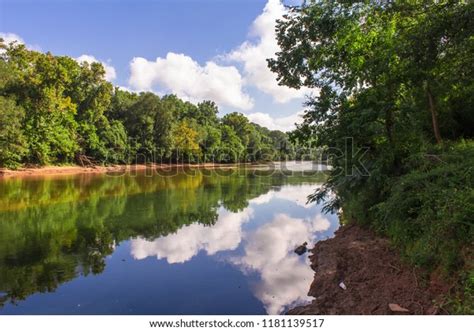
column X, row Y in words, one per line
column 397, row 78
column 54, row 110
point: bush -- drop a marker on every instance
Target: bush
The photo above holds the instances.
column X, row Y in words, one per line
column 428, row 211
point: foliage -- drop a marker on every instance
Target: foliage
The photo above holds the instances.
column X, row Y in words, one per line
column 12, row 141
column 394, row 115
column 55, row 110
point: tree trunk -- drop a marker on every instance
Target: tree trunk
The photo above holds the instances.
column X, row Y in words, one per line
column 434, row 115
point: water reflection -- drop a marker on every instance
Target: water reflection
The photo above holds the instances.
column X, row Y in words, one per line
column 268, row 249
column 179, row 247
column 285, row 277
column 294, row 193
column 60, row 236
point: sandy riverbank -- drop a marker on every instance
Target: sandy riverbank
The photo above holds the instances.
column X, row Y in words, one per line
column 76, row 170
column 374, row 277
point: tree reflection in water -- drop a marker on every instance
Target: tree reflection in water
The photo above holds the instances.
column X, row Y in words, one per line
column 53, row 230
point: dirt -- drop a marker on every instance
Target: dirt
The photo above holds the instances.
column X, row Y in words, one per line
column 74, row 170
column 373, row 275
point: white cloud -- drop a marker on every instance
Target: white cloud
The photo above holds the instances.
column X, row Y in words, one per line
column 294, row 193
column 320, row 223
column 124, row 88
column 181, row 75
column 254, row 55
column 110, row 73
column 11, row 37
column 181, row 246
column 286, row 123
column 285, row 278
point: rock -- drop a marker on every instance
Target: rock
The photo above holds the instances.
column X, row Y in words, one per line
column 300, row 250
column 397, row 308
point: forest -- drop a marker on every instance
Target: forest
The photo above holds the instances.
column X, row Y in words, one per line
column 54, row 110
column 397, row 78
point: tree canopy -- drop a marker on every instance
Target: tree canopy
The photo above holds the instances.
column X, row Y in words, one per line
column 54, row 110
column 395, row 113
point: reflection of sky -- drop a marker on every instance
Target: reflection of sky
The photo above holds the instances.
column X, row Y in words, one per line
column 258, row 240
column 181, row 246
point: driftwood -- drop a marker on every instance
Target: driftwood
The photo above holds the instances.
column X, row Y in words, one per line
column 86, row 161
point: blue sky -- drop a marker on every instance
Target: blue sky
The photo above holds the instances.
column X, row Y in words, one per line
column 197, row 49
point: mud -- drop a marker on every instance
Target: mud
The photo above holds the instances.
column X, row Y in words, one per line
column 374, row 277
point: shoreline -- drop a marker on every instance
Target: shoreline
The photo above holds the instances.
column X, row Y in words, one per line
column 376, row 281
column 78, row 170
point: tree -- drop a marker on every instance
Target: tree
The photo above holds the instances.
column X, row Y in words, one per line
column 240, row 124
column 393, row 115
column 38, row 87
column 12, row 141
column 186, row 145
column 72, row 114
column 206, row 113
column 92, row 94
column 231, row 148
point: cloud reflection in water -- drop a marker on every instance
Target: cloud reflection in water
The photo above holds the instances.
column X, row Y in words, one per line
column 284, row 277
column 181, row 246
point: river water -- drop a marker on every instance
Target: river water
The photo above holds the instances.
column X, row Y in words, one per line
column 187, row 242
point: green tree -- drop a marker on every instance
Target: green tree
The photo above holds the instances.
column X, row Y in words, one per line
column 186, row 143
column 231, row 148
column 12, row 141
column 397, row 78
column 38, row 87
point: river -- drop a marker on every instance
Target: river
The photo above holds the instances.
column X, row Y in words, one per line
column 187, row 242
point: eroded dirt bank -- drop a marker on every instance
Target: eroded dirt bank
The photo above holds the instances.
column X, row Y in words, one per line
column 373, row 275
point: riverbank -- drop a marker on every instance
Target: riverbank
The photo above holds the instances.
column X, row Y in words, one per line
column 77, row 170
column 376, row 280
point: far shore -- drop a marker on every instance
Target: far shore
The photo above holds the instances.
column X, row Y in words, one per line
column 77, row 170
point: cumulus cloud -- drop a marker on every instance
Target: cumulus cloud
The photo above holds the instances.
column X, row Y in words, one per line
column 183, row 76
column 285, row 278
column 320, row 223
column 110, row 73
column 297, row 194
column 180, row 74
column 253, row 55
column 181, row 246
column 11, row 37
column 285, row 123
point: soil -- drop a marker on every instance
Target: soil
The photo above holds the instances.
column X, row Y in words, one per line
column 373, row 275
column 75, row 170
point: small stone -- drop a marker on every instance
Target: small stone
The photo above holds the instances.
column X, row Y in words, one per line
column 300, row 250
column 397, row 308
